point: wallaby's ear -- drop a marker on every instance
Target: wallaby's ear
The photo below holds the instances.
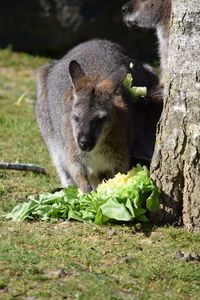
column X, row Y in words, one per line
column 75, row 71
column 113, row 81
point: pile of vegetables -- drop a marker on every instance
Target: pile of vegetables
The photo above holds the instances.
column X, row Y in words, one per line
column 124, row 198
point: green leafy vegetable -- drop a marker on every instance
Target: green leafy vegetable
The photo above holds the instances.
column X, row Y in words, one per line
column 135, row 91
column 124, row 198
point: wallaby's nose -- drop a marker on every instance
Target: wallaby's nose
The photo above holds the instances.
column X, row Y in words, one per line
column 126, row 8
column 85, row 144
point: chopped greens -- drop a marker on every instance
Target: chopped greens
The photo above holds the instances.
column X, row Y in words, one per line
column 124, row 198
column 135, row 91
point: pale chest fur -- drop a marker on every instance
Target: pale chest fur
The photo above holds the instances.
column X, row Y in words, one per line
column 103, row 162
column 98, row 162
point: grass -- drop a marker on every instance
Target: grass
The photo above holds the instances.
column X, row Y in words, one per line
column 72, row 260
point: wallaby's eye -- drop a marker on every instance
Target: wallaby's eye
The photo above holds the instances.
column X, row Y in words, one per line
column 75, row 118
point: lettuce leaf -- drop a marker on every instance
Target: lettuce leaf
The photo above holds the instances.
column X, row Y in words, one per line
column 135, row 91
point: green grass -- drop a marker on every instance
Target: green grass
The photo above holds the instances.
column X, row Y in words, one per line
column 71, row 260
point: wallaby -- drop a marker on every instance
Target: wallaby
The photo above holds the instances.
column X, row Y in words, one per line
column 151, row 14
column 86, row 116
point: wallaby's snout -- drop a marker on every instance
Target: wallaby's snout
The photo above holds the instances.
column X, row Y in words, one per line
column 128, row 11
column 87, row 129
column 85, row 143
column 127, row 8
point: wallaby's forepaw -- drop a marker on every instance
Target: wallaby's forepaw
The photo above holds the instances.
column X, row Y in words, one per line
column 85, row 188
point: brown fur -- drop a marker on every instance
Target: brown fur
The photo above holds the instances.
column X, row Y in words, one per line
column 106, row 85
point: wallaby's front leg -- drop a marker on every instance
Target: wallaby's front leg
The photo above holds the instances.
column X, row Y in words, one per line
column 83, row 183
column 76, row 177
column 64, row 175
column 77, row 171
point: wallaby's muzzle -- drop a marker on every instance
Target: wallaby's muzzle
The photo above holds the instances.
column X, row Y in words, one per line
column 127, row 11
column 127, row 8
column 85, row 143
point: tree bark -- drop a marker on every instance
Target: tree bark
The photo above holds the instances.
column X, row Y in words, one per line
column 175, row 165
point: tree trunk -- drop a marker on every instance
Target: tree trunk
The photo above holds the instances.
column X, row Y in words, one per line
column 175, row 165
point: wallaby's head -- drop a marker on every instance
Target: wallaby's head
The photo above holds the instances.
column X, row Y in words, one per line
column 92, row 109
column 146, row 13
